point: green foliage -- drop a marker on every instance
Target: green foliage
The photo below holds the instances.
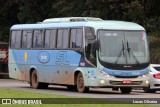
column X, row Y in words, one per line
column 154, row 49
column 134, row 12
column 31, row 11
column 8, row 17
column 152, row 25
column 143, row 12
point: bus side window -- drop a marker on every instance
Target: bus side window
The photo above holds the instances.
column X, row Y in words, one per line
column 13, row 39
column 18, row 40
column 79, row 38
column 59, row 38
column 65, row 38
column 73, row 38
column 53, row 38
column 50, row 39
column 38, row 39
column 26, row 39
column 76, row 38
column 29, row 39
column 47, row 39
column 90, row 44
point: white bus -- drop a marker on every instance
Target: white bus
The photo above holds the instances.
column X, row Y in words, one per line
column 80, row 52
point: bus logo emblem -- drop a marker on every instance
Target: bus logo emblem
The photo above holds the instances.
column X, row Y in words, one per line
column 43, row 57
column 61, row 58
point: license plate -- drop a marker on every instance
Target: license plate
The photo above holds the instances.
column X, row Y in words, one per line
column 126, row 81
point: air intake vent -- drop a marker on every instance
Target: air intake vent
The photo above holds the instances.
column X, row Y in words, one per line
column 121, row 83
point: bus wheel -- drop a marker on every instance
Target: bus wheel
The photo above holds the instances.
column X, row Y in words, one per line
column 148, row 90
column 126, row 90
column 34, row 80
column 44, row 85
column 80, row 84
column 35, row 83
column 72, row 87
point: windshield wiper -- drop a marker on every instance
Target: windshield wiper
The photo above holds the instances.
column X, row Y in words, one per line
column 132, row 53
column 120, row 53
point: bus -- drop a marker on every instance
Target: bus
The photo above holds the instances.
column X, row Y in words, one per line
column 80, row 53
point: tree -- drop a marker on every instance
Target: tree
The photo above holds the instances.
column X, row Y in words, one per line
column 8, row 13
column 134, row 11
column 32, row 11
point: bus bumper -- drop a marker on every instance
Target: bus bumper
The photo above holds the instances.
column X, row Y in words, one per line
column 113, row 81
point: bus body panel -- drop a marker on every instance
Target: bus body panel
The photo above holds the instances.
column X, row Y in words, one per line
column 61, row 70
column 58, row 67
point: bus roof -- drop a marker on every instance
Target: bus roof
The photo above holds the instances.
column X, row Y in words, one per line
column 70, row 19
column 101, row 24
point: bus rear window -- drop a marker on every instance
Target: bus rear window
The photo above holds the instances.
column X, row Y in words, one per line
column 16, row 39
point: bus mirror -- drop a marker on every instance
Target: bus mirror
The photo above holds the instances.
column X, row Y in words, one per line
column 96, row 45
column 90, row 37
column 90, row 33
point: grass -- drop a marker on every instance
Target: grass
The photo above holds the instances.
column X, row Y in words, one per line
column 12, row 93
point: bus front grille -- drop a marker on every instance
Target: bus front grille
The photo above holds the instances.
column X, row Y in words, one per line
column 121, row 83
column 126, row 76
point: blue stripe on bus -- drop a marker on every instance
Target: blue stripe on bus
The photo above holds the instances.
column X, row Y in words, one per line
column 56, row 57
column 51, row 57
column 126, row 72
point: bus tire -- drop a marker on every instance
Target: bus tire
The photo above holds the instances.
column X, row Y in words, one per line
column 148, row 90
column 35, row 83
column 72, row 87
column 44, row 85
column 80, row 84
column 126, row 90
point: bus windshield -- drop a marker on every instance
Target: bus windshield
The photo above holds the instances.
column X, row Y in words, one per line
column 123, row 47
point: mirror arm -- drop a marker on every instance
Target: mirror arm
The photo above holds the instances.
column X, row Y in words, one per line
column 96, row 45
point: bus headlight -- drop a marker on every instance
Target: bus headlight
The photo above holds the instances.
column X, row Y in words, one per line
column 102, row 81
column 144, row 76
column 147, row 82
